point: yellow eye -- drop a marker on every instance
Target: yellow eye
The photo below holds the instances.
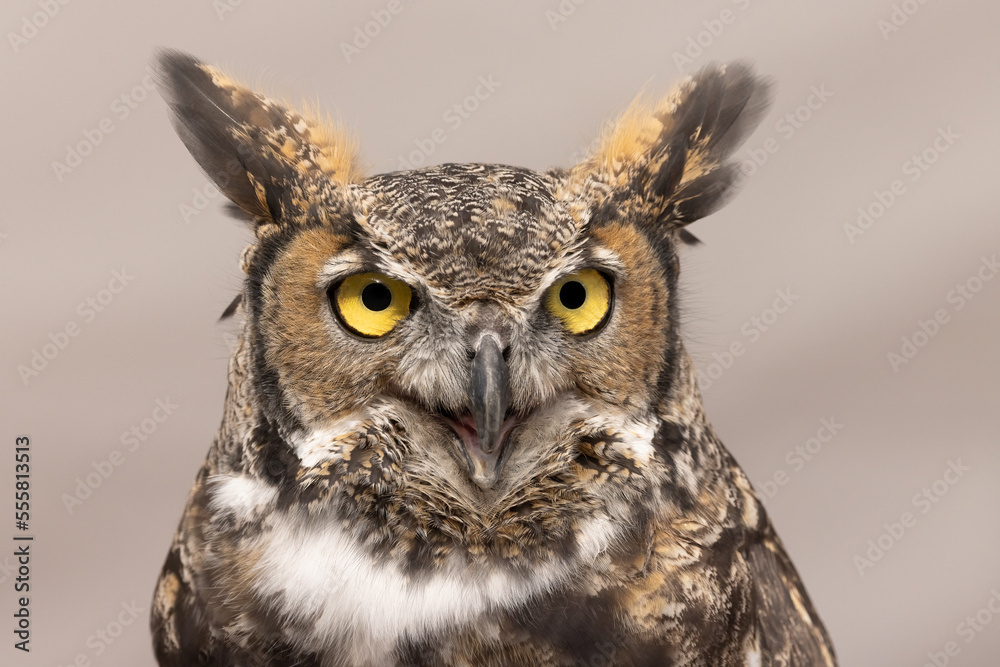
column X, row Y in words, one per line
column 581, row 300
column 371, row 304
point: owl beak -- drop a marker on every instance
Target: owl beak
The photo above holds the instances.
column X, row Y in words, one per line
column 489, row 394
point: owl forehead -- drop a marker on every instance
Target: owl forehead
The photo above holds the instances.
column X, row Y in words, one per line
column 477, row 230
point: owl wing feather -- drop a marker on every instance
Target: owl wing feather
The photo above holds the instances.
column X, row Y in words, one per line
column 791, row 632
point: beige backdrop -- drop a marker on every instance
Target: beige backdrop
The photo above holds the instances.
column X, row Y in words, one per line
column 869, row 216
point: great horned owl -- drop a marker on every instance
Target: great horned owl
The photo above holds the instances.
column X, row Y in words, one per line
column 461, row 427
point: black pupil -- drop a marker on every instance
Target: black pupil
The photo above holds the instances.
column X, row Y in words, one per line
column 572, row 294
column 376, row 297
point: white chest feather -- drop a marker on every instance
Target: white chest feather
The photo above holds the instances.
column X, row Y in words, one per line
column 322, row 577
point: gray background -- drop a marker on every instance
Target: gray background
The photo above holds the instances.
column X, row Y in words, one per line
column 826, row 357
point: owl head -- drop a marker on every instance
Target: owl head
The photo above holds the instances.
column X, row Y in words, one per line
column 463, row 353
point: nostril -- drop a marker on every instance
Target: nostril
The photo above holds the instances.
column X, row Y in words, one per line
column 506, row 353
column 470, row 354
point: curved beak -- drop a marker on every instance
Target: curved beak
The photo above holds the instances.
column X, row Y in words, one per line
column 489, row 394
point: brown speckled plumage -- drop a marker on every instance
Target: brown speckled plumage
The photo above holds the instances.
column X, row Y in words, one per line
column 336, row 520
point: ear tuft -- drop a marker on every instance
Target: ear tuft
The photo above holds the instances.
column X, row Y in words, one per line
column 263, row 155
column 672, row 155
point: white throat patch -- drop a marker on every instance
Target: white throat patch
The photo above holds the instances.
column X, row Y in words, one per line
column 325, row 579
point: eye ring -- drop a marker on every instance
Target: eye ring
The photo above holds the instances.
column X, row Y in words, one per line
column 582, row 301
column 370, row 304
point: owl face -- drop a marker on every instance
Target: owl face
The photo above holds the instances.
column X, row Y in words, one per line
column 470, row 299
column 462, row 358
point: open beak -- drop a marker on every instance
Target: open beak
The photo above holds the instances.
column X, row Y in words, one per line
column 484, row 429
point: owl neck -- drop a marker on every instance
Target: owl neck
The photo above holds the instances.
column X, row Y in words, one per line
column 681, row 403
column 686, row 430
column 240, row 414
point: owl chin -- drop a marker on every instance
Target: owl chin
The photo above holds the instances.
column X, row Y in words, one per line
column 483, row 466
